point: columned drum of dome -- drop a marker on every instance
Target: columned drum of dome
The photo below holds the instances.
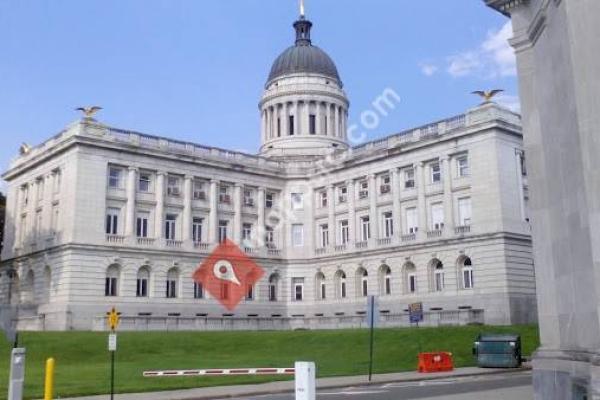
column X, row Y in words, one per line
column 304, row 109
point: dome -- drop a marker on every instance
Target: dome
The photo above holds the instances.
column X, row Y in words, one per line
column 303, row 57
column 304, row 60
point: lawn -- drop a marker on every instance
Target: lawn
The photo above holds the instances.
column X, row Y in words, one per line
column 82, row 360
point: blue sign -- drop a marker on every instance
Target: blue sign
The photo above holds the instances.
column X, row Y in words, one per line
column 372, row 312
column 415, row 312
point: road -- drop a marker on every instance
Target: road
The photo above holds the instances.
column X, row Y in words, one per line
column 515, row 386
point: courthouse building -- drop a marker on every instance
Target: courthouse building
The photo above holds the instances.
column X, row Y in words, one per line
column 99, row 216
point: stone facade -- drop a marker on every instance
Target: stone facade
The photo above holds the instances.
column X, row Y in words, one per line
column 99, row 216
column 558, row 63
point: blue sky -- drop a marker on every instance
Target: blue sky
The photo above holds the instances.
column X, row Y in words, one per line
column 195, row 69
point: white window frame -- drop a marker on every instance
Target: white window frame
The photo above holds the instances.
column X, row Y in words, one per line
column 298, row 289
column 324, row 235
column 222, row 233
column 198, row 291
column 363, row 190
column 297, row 235
column 388, row 224
column 145, row 182
column 199, row 192
column 247, row 231
column 224, row 196
column 463, row 166
column 112, row 221
column 115, row 181
column 412, row 215
column 365, row 228
column 342, row 194
column 437, row 216
column 386, row 185
column 171, row 227
column 269, row 199
column 248, row 197
column 344, row 231
column 323, row 199
column 173, row 186
column 297, row 201
column 464, row 211
column 436, row 172
column 197, row 229
column 142, row 224
column 409, row 178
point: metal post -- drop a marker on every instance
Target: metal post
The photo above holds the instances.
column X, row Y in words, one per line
column 372, row 324
column 112, row 375
column 49, row 382
column 17, row 375
column 305, row 375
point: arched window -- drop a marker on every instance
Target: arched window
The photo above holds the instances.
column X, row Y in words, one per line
column 340, row 285
column 111, row 283
column 385, row 280
column 437, row 269
column 320, row 287
column 27, row 292
column 143, row 282
column 466, row 267
column 273, row 287
column 172, row 283
column 47, row 284
column 410, row 278
column 363, row 282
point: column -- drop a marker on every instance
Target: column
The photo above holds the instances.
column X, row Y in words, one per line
column 320, row 119
column 344, row 124
column 286, row 120
column 520, row 189
column 237, row 213
column 351, row 211
column 421, row 202
column 264, row 126
column 397, row 201
column 131, row 194
column 213, row 216
column 448, row 200
column 329, row 129
column 47, row 210
column 374, row 220
column 310, row 233
column 260, row 208
column 188, row 187
column 305, row 114
column 31, row 212
column 331, row 215
column 160, row 205
column 17, row 217
column 297, row 118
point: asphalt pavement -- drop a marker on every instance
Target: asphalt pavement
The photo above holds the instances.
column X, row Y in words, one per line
column 517, row 386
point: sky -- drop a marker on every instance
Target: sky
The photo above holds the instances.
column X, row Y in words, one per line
column 194, row 70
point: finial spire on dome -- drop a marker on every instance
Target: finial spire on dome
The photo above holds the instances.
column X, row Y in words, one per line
column 302, row 13
column 302, row 27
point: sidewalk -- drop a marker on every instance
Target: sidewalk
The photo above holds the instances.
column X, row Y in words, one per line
column 224, row 392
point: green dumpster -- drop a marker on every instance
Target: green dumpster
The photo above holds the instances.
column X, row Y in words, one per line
column 498, row 351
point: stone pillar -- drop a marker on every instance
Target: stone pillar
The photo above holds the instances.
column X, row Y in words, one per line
column 521, row 189
column 448, row 197
column 237, row 213
column 188, row 188
column 351, row 212
column 344, row 123
column 264, row 126
column 421, row 202
column 297, row 118
column 31, row 212
column 396, row 193
column 373, row 212
column 47, row 208
column 260, row 210
column 310, row 233
column 131, row 199
column 17, row 218
column 160, row 206
column 331, row 215
column 328, row 130
column 305, row 114
column 213, row 215
column 286, row 120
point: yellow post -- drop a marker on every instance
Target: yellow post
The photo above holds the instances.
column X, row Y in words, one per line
column 49, row 383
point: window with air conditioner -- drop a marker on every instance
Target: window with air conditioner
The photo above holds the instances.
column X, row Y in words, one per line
column 115, row 176
column 437, row 217
column 409, row 178
column 386, row 186
column 144, row 182
column 224, row 196
column 173, row 186
column 436, row 172
column 412, row 221
column 342, row 194
column 199, row 192
column 323, row 199
column 363, row 192
column 249, row 197
column 464, row 211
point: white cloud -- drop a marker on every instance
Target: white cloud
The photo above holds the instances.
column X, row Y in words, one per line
column 428, row 69
column 492, row 59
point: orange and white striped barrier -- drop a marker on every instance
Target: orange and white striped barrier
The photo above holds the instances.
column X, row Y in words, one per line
column 217, row 372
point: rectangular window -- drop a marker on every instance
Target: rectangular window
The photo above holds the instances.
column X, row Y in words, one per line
column 142, row 287
column 269, row 200
column 463, row 166
column 110, row 287
column 198, row 291
column 248, row 197
column 344, row 232
column 197, row 229
column 412, row 223
column 144, row 182
column 40, row 189
column 298, row 289
column 297, row 235
column 388, row 225
column 312, row 124
column 323, row 200
column 297, row 201
column 173, row 186
column 114, row 177
column 170, row 225
column 143, row 219
column 199, row 190
column 247, row 232
column 112, row 221
column 365, row 229
column 278, row 127
column 436, row 172
column 468, row 278
column 363, row 193
column 437, row 217
column 249, row 292
column 323, row 291
column 342, row 194
column 291, row 127
column 55, row 219
column 386, row 185
column 412, row 283
column 464, row 211
column 57, row 180
column 269, row 236
column 324, row 235
column 223, row 231
column 25, row 195
column 224, row 196
column 171, row 289
column 409, row 178
column 272, row 292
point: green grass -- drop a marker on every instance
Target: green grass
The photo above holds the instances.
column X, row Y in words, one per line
column 82, row 360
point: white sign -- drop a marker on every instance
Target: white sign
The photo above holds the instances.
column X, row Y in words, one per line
column 112, row 342
column 306, row 381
